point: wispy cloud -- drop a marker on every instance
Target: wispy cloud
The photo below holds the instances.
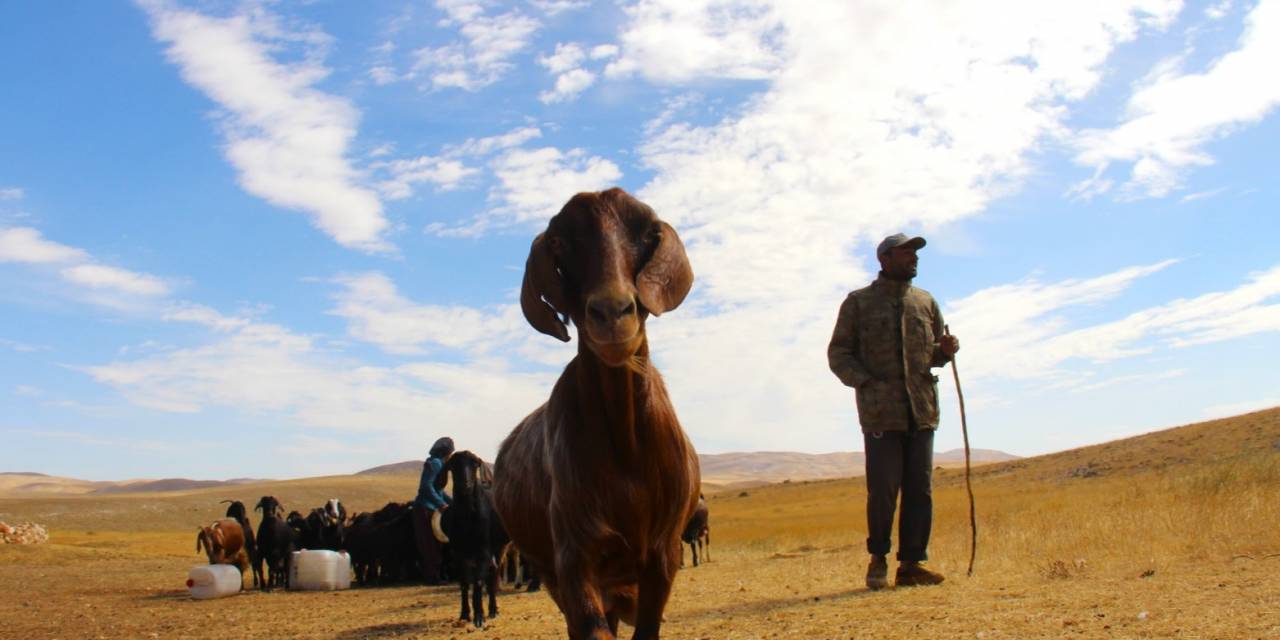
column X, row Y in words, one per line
column 287, row 139
column 25, row 244
column 377, row 313
column 75, row 266
column 1173, row 115
column 11, row 193
column 484, row 54
column 1020, row 331
column 266, row 370
column 96, row 276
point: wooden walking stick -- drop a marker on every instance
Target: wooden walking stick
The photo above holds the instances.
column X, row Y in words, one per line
column 964, row 430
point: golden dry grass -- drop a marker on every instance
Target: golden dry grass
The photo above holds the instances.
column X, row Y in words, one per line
column 1150, row 543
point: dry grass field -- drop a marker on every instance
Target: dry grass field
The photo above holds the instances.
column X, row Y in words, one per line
column 1174, row 534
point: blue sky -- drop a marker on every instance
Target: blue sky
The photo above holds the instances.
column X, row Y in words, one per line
column 275, row 239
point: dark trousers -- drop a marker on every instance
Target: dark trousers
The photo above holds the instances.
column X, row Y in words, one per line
column 429, row 549
column 899, row 462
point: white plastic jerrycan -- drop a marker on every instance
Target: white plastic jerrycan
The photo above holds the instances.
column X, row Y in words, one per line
column 320, row 570
column 213, row 581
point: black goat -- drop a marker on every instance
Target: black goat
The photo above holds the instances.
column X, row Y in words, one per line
column 236, row 510
column 469, row 522
column 696, row 532
column 275, row 544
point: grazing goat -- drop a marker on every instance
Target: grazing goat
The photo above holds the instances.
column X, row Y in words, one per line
column 275, row 543
column 224, row 543
column 236, row 510
column 697, row 534
column 596, row 485
column 469, row 523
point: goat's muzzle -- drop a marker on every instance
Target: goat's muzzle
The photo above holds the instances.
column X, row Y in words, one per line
column 613, row 327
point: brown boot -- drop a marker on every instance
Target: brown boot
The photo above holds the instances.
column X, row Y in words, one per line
column 912, row 574
column 877, row 573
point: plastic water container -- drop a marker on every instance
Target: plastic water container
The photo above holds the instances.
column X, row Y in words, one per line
column 213, row 581
column 320, row 570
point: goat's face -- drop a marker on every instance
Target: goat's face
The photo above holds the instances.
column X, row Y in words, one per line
column 269, row 506
column 464, row 467
column 606, row 261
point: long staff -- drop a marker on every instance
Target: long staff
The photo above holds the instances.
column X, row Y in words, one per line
column 964, row 430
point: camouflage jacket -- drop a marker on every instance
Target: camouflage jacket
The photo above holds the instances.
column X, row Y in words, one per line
column 884, row 344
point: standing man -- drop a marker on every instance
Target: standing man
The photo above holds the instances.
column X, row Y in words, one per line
column 887, row 338
column 431, row 499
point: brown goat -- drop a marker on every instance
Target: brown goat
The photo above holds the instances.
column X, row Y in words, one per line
column 223, row 542
column 596, row 485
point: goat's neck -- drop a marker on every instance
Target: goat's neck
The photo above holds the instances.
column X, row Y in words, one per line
column 619, row 396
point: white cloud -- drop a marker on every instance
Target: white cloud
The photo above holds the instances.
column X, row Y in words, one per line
column 1201, row 195
column 1173, row 115
column 484, row 56
column 1237, row 408
column 567, row 56
column 265, row 370
column 11, row 193
column 1218, row 10
column 287, row 139
column 535, row 183
column 202, row 315
column 96, row 276
column 460, row 10
column 1018, row 331
column 553, row 7
column 485, row 146
column 383, row 74
column 444, row 173
column 568, row 86
column 24, row 244
column 377, row 313
column 604, row 51
column 679, row 40
column 28, row 246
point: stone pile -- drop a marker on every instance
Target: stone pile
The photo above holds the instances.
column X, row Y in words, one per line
column 25, row 533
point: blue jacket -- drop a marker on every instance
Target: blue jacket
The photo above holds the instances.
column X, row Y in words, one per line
column 428, row 496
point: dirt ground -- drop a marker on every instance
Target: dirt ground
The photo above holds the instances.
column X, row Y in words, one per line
column 82, row 591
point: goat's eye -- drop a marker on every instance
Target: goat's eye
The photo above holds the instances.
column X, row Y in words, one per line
column 557, row 245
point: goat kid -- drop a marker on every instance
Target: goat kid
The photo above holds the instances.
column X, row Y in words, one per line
column 596, row 485
column 224, row 543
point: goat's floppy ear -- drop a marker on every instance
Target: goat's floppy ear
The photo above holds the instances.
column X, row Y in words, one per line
column 542, row 294
column 200, row 539
column 664, row 282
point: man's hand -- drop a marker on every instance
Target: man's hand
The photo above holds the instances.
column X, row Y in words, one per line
column 949, row 345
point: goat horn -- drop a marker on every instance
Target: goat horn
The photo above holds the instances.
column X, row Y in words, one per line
column 435, row 528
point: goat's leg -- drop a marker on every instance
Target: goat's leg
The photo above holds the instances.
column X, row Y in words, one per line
column 492, row 583
column 477, row 598
column 693, row 548
column 655, row 589
column 580, row 602
column 463, row 588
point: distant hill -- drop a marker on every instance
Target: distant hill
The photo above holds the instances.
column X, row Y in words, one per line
column 725, row 470
column 740, row 469
column 394, row 469
column 168, row 484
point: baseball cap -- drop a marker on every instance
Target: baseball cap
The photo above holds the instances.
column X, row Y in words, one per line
column 898, row 240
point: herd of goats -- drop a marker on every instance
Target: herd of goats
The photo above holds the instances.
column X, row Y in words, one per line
column 381, row 544
column 596, row 486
